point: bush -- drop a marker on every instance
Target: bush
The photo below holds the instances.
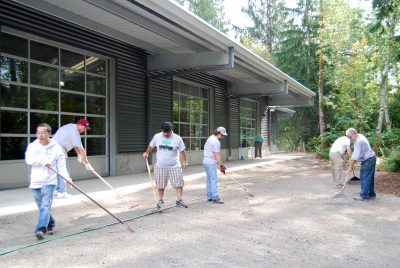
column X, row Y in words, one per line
column 391, row 139
column 392, row 162
column 314, row 144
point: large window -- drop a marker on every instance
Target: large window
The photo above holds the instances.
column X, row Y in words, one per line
column 190, row 114
column 247, row 122
column 44, row 83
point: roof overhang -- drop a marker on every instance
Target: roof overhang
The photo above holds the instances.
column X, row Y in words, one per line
column 173, row 35
column 281, row 111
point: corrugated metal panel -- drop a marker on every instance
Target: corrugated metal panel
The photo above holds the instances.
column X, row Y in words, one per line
column 234, row 122
column 220, row 87
column 160, row 98
column 130, row 74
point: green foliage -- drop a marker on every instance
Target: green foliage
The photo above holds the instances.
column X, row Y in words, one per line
column 314, row 144
column 392, row 162
column 212, row 11
column 391, row 140
column 267, row 17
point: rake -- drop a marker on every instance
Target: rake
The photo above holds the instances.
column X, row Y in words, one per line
column 253, row 201
column 94, row 201
column 112, row 188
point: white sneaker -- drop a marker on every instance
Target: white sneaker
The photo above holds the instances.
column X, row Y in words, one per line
column 63, row 195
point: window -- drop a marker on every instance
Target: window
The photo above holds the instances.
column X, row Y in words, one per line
column 43, row 83
column 190, row 114
column 247, row 122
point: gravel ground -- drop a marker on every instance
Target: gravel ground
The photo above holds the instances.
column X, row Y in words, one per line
column 294, row 223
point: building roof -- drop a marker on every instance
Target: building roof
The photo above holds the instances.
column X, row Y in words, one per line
column 166, row 28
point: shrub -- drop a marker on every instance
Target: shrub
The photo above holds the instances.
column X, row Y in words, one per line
column 392, row 161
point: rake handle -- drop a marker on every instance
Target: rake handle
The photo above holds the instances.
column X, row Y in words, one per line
column 151, row 180
column 112, row 188
column 244, row 188
column 94, row 201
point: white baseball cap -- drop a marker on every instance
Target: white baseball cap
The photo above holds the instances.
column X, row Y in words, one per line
column 222, row 130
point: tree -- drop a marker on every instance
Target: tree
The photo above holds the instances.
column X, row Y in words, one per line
column 387, row 14
column 267, row 16
column 321, row 71
column 212, row 11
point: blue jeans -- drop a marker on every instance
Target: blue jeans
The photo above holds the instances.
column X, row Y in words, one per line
column 44, row 199
column 60, row 181
column 367, row 178
column 212, row 181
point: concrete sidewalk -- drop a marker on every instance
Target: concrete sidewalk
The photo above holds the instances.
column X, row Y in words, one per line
column 20, row 200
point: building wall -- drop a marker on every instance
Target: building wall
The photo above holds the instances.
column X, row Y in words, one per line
column 137, row 104
column 129, row 88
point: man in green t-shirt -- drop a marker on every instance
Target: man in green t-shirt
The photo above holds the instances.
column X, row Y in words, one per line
column 258, row 141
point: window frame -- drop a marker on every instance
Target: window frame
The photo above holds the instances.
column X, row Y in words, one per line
column 202, row 127
column 103, row 117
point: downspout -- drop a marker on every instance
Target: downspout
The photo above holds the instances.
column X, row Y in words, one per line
column 228, row 107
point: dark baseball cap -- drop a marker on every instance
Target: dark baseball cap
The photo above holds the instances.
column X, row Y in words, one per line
column 166, row 126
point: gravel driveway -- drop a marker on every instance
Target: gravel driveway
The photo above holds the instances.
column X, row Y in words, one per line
column 293, row 225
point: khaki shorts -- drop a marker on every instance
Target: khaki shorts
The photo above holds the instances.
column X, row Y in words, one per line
column 173, row 174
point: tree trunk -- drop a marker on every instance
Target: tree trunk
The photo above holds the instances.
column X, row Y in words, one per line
column 308, row 75
column 321, row 72
column 269, row 26
column 383, row 109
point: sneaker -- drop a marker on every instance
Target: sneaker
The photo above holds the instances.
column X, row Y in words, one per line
column 40, row 234
column 63, row 195
column 51, row 229
column 359, row 198
column 217, row 201
column 209, row 200
column 181, row 204
column 160, row 204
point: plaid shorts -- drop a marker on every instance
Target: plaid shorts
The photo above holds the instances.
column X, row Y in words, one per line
column 173, row 174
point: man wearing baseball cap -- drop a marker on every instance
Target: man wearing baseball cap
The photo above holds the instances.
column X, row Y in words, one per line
column 168, row 167
column 211, row 162
column 364, row 154
column 68, row 136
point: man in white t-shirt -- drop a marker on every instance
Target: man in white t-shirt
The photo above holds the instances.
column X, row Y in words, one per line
column 337, row 155
column 212, row 160
column 168, row 167
column 68, row 136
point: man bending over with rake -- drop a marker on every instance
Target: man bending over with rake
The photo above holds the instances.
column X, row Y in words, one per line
column 364, row 154
column 169, row 145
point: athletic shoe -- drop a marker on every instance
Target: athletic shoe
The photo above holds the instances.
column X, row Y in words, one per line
column 160, row 204
column 209, row 200
column 217, row 201
column 40, row 234
column 51, row 229
column 63, row 195
column 359, row 198
column 181, row 204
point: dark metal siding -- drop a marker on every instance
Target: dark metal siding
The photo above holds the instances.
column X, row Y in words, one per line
column 234, row 122
column 160, row 106
column 130, row 66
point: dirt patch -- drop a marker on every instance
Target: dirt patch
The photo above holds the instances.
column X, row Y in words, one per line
column 388, row 183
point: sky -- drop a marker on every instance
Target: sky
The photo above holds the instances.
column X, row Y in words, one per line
column 233, row 11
